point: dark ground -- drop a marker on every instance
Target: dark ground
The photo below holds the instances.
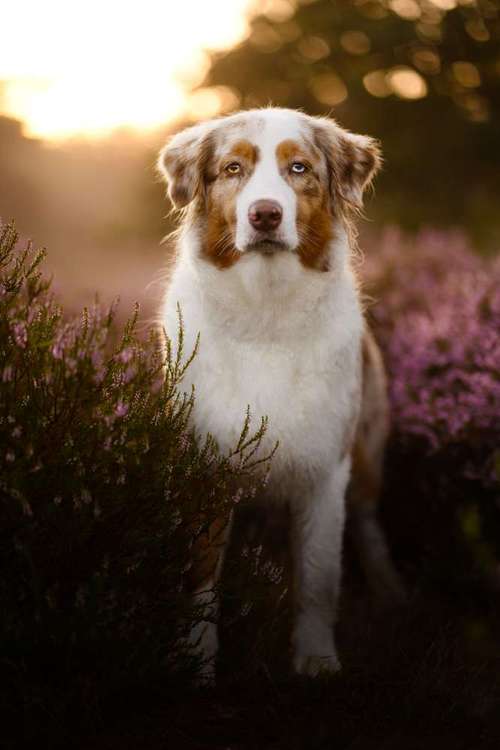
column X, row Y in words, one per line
column 422, row 675
column 421, row 678
column 425, row 675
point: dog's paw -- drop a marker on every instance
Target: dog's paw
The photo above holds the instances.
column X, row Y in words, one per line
column 202, row 642
column 205, row 677
column 312, row 665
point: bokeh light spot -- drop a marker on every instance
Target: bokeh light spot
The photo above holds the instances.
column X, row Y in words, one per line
column 276, row 10
column 376, row 84
column 355, row 42
column 328, row 89
column 444, row 4
column 429, row 32
column 313, row 48
column 427, row 61
column 371, row 8
column 265, row 38
column 211, row 101
column 466, row 74
column 407, row 9
column 406, row 83
column 477, row 30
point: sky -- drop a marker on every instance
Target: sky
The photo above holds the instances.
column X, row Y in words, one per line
column 69, row 67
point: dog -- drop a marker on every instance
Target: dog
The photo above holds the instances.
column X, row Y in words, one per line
column 264, row 273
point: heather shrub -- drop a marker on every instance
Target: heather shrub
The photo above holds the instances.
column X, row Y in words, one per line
column 103, row 489
column 438, row 318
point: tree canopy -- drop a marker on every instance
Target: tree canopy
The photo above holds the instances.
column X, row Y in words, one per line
column 421, row 75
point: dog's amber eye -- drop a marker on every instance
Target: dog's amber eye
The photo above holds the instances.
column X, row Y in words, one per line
column 298, row 168
column 233, row 168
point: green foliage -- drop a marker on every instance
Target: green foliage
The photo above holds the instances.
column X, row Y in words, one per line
column 103, row 490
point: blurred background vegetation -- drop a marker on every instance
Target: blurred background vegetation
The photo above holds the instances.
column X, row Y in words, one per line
column 423, row 76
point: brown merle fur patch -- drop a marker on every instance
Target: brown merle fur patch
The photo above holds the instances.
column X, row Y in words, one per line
column 373, row 426
column 314, row 220
column 206, row 551
column 219, row 204
column 352, row 162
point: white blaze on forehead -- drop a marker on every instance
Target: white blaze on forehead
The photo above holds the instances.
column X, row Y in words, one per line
column 266, row 130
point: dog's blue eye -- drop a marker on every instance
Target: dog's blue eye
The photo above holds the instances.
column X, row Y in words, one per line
column 298, row 168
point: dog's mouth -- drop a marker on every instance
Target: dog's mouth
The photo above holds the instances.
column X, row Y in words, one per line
column 267, row 246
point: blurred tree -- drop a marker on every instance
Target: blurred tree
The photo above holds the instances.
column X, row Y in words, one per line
column 421, row 75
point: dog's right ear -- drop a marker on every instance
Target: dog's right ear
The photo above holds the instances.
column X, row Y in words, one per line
column 181, row 163
column 353, row 160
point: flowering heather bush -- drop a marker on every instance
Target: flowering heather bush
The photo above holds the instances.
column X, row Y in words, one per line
column 103, row 488
column 441, row 313
column 439, row 321
column 102, row 491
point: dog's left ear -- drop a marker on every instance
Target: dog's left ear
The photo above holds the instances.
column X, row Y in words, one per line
column 353, row 160
column 181, row 163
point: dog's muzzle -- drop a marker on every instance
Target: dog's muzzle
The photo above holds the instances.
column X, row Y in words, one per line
column 265, row 215
column 267, row 246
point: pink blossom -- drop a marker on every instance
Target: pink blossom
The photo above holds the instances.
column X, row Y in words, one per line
column 121, row 409
column 439, row 319
column 129, row 374
column 126, row 355
column 20, row 333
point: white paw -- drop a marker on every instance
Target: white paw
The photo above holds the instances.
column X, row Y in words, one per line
column 205, row 677
column 313, row 665
column 314, row 651
column 204, row 643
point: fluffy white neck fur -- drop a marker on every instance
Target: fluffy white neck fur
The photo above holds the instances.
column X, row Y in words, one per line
column 267, row 297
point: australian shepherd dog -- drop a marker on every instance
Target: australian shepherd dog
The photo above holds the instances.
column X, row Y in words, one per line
column 264, row 273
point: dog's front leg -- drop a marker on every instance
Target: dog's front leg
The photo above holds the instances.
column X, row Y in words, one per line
column 201, row 580
column 317, row 531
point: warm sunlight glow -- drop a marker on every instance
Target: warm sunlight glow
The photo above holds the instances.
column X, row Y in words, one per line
column 71, row 68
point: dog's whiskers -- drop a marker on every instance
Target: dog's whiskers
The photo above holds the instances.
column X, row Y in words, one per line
column 224, row 243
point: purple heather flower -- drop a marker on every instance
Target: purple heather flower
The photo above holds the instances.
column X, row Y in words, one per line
column 64, row 341
column 20, row 333
column 439, row 321
column 126, row 355
column 121, row 409
column 58, row 350
column 129, row 374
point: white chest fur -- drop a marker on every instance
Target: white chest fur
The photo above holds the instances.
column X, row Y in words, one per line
column 280, row 339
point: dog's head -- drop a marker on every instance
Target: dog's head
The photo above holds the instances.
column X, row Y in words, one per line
column 268, row 181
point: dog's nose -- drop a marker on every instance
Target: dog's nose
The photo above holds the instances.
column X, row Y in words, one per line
column 265, row 215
